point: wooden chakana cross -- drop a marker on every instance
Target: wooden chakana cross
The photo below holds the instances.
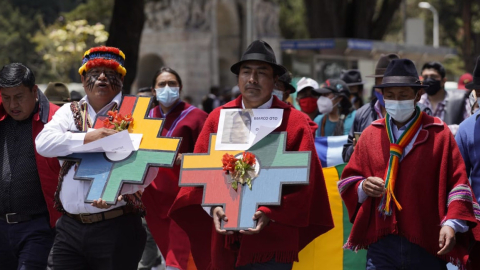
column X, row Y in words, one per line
column 108, row 176
column 277, row 168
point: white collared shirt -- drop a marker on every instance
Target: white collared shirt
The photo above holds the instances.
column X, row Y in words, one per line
column 266, row 105
column 56, row 139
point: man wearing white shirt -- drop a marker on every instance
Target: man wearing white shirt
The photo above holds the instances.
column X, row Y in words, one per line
column 96, row 235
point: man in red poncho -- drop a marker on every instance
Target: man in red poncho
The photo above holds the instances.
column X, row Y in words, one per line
column 281, row 231
column 405, row 187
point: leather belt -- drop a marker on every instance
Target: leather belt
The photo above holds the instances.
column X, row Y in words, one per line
column 93, row 218
column 13, row 218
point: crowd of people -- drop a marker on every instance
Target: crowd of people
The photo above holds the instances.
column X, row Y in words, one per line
column 410, row 184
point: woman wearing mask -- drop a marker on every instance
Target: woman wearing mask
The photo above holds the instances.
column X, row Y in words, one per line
column 336, row 110
column 307, row 95
column 181, row 120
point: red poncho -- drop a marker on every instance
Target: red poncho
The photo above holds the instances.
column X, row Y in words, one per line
column 183, row 121
column 303, row 215
column 431, row 176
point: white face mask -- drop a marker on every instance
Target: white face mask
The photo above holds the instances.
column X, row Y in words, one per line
column 325, row 104
column 278, row 93
column 400, row 110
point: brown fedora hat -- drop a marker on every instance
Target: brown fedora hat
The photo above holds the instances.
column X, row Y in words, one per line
column 57, row 93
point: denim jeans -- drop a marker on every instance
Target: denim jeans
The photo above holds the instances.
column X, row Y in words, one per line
column 396, row 252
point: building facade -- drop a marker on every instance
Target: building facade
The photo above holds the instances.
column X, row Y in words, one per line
column 201, row 39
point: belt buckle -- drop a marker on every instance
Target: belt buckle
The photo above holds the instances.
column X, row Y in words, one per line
column 8, row 220
column 85, row 221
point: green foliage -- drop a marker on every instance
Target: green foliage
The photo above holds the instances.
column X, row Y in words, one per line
column 94, row 11
column 451, row 32
column 48, row 9
column 62, row 47
column 50, row 36
column 293, row 23
column 15, row 35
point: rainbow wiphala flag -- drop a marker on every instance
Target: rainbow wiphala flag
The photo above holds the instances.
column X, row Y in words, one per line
column 326, row 251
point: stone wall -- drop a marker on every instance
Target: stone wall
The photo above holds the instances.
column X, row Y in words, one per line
column 201, row 39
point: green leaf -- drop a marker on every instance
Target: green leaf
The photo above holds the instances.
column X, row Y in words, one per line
column 234, row 185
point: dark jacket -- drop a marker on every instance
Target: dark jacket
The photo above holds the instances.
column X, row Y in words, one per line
column 364, row 117
column 455, row 107
column 48, row 168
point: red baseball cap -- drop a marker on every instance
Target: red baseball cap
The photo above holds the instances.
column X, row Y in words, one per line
column 464, row 79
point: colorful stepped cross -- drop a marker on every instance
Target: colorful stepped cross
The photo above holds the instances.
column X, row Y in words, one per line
column 107, row 177
column 277, row 168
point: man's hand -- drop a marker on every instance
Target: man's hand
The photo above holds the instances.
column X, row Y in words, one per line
column 373, row 186
column 262, row 221
column 103, row 204
column 447, row 240
column 354, row 142
column 98, row 134
column 218, row 216
column 178, row 160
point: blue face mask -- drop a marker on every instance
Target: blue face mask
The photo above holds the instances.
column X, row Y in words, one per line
column 380, row 98
column 167, row 95
column 278, row 93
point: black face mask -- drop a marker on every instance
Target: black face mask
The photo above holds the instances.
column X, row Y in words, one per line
column 433, row 86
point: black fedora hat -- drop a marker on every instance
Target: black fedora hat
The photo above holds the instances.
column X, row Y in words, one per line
column 259, row 50
column 382, row 64
column 402, row 73
column 476, row 77
column 351, row 77
column 286, row 79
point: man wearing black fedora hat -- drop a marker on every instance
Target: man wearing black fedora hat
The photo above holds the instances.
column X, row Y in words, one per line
column 375, row 109
column 284, row 87
column 353, row 79
column 281, row 231
column 369, row 112
column 467, row 139
column 405, row 178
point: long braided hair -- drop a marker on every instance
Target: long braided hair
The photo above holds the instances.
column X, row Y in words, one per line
column 345, row 108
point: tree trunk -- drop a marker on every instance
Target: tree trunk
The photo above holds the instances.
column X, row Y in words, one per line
column 125, row 31
column 468, row 57
column 350, row 19
column 325, row 18
column 380, row 25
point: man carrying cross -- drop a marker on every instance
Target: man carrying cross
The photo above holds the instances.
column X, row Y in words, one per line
column 92, row 236
column 281, row 231
column 405, row 187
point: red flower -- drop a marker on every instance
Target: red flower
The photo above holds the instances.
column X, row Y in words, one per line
column 117, row 121
column 107, row 124
column 118, row 118
column 249, row 158
column 229, row 163
column 111, row 115
column 128, row 118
